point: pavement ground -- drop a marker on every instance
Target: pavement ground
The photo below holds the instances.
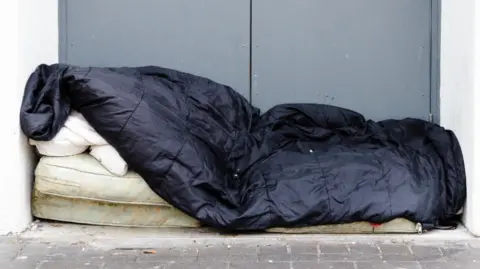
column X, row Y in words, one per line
column 66, row 246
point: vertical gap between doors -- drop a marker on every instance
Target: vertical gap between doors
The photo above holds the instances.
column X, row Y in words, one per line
column 250, row 69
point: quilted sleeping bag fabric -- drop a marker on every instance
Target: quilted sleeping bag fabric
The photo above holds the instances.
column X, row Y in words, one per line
column 204, row 149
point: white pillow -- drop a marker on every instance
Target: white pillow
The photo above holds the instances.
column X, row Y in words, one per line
column 109, row 157
column 65, row 143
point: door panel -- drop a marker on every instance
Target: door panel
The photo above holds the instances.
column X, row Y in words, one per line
column 208, row 38
column 372, row 56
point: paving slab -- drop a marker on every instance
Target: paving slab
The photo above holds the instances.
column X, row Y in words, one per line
column 90, row 247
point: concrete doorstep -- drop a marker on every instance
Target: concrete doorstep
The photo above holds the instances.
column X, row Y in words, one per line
column 59, row 245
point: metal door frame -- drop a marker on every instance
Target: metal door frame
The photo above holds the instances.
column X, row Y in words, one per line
column 62, row 31
column 435, row 29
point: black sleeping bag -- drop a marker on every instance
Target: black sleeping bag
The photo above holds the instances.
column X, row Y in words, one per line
column 203, row 148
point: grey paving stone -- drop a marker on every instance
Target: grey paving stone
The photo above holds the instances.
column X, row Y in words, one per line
column 304, row 257
column 187, row 254
column 219, row 249
column 37, row 251
column 70, row 265
column 19, row 264
column 303, row 248
column 165, row 258
column 214, row 254
column 243, row 252
column 105, row 257
column 243, row 249
column 460, row 254
column 114, row 255
column 340, row 252
column 243, row 258
column 294, row 254
column 29, row 260
column 303, row 251
column 450, row 265
column 449, row 244
column 364, row 249
column 455, row 252
column 6, row 239
column 450, row 252
column 333, row 249
column 321, row 265
column 387, row 265
column 355, row 252
column 125, row 251
column 347, row 257
column 427, row 253
column 184, row 251
column 198, row 265
column 276, row 253
column 259, row 265
column 398, row 258
column 146, row 265
column 399, row 249
column 474, row 244
column 9, row 251
column 435, row 265
column 64, row 252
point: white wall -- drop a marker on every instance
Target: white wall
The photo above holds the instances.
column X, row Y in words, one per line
column 460, row 92
column 29, row 30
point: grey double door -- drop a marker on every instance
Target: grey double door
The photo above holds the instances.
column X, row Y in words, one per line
column 378, row 57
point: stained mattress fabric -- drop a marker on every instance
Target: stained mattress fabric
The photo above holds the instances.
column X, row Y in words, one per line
column 79, row 189
column 204, row 149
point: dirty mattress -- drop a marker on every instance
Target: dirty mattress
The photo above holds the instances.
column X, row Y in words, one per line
column 78, row 189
